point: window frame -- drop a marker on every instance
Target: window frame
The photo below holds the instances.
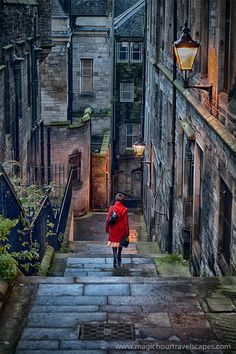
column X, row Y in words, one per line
column 122, row 91
column 119, row 51
column 140, row 51
column 134, row 137
column 82, row 76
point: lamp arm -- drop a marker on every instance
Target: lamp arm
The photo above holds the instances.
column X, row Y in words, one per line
column 208, row 88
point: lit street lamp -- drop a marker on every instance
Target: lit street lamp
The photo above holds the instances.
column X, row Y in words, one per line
column 186, row 50
column 139, row 149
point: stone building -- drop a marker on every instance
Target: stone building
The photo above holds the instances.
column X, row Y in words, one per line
column 189, row 187
column 25, row 41
column 78, row 74
column 128, row 96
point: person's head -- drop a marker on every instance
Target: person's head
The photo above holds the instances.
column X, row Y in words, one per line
column 120, row 197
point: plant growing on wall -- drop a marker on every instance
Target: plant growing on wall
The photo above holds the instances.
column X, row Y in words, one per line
column 11, row 261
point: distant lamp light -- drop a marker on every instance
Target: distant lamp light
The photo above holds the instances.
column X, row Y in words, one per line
column 139, row 148
column 186, row 49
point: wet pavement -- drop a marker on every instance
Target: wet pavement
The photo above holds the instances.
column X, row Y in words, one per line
column 88, row 307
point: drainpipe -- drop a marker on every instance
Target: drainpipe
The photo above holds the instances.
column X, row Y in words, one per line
column 42, row 164
column 70, row 70
column 49, row 154
column 16, row 63
column 172, row 187
column 143, row 96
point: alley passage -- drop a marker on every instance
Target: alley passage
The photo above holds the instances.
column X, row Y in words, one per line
column 96, row 309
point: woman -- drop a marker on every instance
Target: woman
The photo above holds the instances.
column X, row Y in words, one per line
column 119, row 229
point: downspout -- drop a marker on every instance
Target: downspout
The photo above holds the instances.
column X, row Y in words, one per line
column 70, row 70
column 17, row 76
column 172, row 187
column 113, row 121
column 42, row 167
column 143, row 95
column 49, row 154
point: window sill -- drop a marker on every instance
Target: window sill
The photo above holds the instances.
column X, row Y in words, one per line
column 86, row 94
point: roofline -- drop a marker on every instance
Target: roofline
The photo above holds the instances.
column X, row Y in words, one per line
column 121, row 19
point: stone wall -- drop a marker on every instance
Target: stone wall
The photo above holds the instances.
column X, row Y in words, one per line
column 65, row 140
column 24, row 27
column 205, row 148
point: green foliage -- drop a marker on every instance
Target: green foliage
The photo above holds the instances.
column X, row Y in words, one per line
column 8, row 268
column 173, row 259
column 30, row 196
column 5, row 227
column 10, row 261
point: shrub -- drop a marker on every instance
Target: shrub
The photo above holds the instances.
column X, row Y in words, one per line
column 8, row 268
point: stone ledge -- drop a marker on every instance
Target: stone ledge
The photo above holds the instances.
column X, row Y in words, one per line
column 46, row 261
column 223, row 132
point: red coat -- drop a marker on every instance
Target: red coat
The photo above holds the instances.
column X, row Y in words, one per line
column 121, row 226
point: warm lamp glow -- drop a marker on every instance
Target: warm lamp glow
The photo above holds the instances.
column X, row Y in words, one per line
column 139, row 148
column 186, row 49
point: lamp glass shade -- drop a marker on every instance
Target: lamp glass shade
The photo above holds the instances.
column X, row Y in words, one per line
column 186, row 49
column 186, row 57
column 139, row 149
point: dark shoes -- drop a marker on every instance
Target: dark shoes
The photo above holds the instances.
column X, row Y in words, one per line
column 116, row 261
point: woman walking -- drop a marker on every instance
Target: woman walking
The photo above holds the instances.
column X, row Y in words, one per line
column 117, row 228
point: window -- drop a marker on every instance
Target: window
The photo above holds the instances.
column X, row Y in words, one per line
column 136, row 52
column 126, row 92
column 129, row 51
column 123, row 51
column 86, row 76
column 132, row 134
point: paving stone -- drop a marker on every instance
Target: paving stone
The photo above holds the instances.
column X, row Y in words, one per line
column 60, row 289
column 142, row 260
column 49, row 280
column 49, row 333
column 139, row 300
column 92, row 344
column 69, row 309
column 141, row 319
column 61, row 351
column 72, row 300
column 220, row 303
column 49, row 320
column 125, row 260
column 159, row 289
column 190, row 320
column 120, row 309
column 85, row 260
column 36, row 344
column 106, row 289
column 115, row 279
column 72, row 272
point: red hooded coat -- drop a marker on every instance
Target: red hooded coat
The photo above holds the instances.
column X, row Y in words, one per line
column 121, row 226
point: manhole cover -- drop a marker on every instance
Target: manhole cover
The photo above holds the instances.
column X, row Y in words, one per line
column 106, row 331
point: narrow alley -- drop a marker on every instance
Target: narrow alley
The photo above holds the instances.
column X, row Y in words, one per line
column 87, row 307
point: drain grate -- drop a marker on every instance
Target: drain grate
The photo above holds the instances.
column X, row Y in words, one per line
column 106, row 331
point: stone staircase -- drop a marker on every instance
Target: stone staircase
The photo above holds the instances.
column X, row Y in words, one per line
column 95, row 309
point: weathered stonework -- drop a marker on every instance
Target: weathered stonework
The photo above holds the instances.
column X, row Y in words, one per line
column 205, row 149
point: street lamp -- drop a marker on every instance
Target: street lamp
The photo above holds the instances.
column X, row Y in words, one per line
column 139, row 149
column 186, row 50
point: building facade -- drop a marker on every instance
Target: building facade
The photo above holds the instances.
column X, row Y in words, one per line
column 25, row 41
column 189, row 187
column 129, row 24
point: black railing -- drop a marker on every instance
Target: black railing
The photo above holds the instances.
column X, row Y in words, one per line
column 66, row 202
